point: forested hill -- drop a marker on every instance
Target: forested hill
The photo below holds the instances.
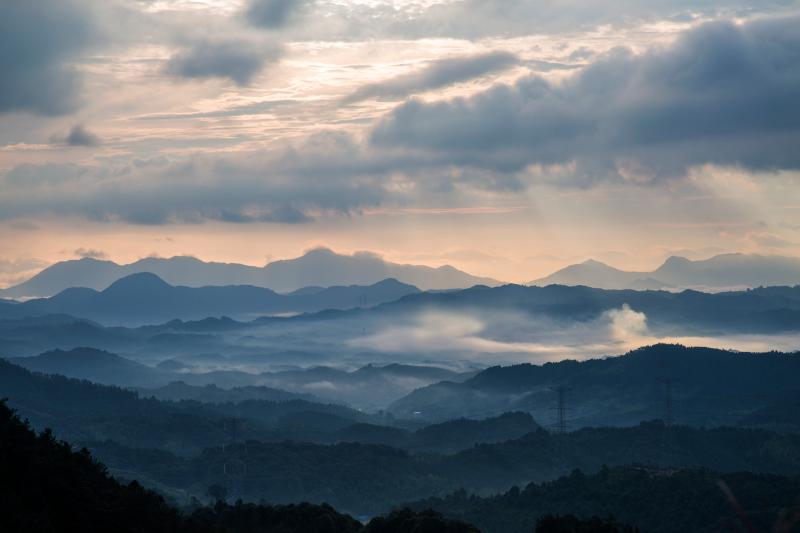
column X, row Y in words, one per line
column 708, row 387
column 370, row 479
column 654, row 500
column 82, row 411
column 48, row 487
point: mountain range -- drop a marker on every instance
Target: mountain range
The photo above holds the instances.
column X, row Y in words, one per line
column 725, row 271
column 145, row 298
column 320, row 267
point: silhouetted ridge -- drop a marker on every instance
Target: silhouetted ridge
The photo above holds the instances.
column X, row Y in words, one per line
column 142, row 282
column 88, row 363
column 724, row 271
column 319, row 267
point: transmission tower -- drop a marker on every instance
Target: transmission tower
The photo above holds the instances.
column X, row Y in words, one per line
column 560, row 425
column 561, row 411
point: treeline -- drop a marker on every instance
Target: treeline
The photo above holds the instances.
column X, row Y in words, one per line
column 48, row 487
column 655, row 500
column 370, row 479
column 305, row 451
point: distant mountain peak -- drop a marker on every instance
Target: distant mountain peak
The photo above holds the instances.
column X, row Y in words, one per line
column 320, row 251
column 391, row 282
column 677, row 260
column 723, row 271
column 594, row 262
column 78, row 352
column 320, row 267
column 141, row 281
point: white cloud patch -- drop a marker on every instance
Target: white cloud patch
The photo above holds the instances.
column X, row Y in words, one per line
column 626, row 324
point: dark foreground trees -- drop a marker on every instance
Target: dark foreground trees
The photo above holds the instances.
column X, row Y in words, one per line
column 46, row 486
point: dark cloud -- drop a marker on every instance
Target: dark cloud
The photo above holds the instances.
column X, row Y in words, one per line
column 438, row 74
column 721, row 94
column 273, row 14
column 77, row 136
column 237, row 60
column 283, row 214
column 38, row 40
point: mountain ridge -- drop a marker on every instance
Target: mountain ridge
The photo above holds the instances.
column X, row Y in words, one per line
column 320, row 267
column 722, row 271
column 144, row 297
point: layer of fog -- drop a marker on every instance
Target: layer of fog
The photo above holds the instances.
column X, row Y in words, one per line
column 495, row 337
column 506, row 337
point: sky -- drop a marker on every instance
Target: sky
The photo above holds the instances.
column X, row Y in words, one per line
column 508, row 138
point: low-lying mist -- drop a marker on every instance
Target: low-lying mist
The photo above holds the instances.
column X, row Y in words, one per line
column 494, row 337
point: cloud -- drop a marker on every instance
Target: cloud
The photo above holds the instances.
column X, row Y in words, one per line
column 77, row 136
column 438, row 74
column 626, row 324
column 14, row 266
column 13, row 271
column 769, row 240
column 478, row 19
column 90, row 253
column 721, row 94
column 80, row 136
column 255, row 108
column 38, row 41
column 237, row 60
column 273, row 14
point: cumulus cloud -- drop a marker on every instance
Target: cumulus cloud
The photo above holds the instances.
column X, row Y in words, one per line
column 237, row 60
column 438, row 74
column 721, row 94
column 38, row 41
column 273, row 13
column 626, row 324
